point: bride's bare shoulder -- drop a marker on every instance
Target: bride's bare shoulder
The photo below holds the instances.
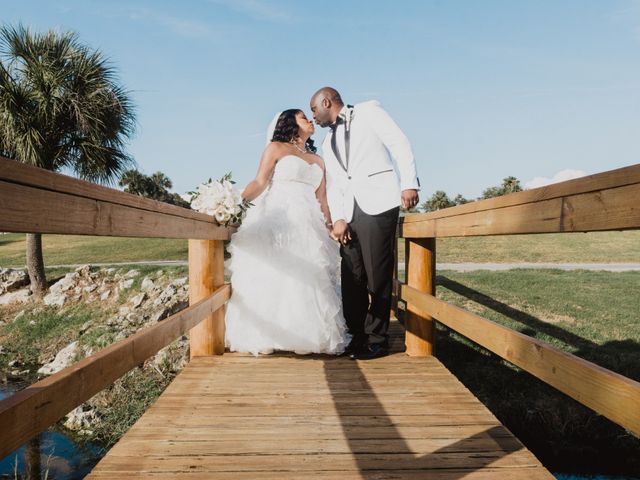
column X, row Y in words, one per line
column 274, row 150
column 318, row 159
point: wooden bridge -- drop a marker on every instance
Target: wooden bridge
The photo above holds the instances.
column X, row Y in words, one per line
column 281, row 416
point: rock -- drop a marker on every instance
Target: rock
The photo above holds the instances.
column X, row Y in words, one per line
column 115, row 320
column 165, row 296
column 18, row 296
column 109, row 271
column 123, row 310
column 13, row 363
column 147, row 284
column 55, row 298
column 84, row 270
column 81, row 418
column 160, row 314
column 126, row 284
column 131, row 274
column 64, row 358
column 2, row 350
column 105, row 295
column 134, row 319
column 137, row 300
column 179, row 282
column 12, row 279
column 32, row 322
column 65, row 283
column 90, row 288
column 85, row 326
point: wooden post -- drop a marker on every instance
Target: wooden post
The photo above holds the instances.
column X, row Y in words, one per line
column 421, row 275
column 206, row 273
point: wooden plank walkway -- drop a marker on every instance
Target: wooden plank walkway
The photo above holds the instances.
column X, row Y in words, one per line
column 319, row 417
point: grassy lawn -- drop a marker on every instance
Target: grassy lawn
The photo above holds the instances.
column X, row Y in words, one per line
column 71, row 249
column 593, row 247
column 591, row 314
column 597, row 247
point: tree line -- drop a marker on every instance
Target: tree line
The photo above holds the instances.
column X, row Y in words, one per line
column 440, row 199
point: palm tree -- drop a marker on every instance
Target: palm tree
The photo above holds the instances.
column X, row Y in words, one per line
column 60, row 108
column 155, row 186
column 438, row 201
column 511, row 184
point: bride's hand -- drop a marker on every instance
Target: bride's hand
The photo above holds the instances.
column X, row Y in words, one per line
column 341, row 232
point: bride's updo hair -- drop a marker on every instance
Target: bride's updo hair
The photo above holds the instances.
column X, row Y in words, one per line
column 287, row 129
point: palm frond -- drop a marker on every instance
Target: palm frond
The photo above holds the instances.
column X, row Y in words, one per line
column 61, row 105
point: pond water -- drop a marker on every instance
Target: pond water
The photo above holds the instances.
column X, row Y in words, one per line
column 51, row 452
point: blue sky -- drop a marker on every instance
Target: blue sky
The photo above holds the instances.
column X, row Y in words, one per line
column 483, row 89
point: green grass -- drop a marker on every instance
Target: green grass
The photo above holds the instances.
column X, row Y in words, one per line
column 593, row 315
column 593, row 247
column 42, row 331
column 78, row 249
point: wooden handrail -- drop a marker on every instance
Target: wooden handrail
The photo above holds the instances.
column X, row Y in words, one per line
column 606, row 392
column 38, row 406
column 606, row 201
column 33, row 200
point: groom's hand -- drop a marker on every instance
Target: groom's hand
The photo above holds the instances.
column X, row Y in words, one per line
column 341, row 232
column 410, row 198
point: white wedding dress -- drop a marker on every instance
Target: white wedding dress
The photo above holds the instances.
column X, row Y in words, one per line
column 285, row 271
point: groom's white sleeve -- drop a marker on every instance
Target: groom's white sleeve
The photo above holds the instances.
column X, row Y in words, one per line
column 335, row 187
column 397, row 143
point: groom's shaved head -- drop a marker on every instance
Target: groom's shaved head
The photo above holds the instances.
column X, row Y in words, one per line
column 330, row 94
column 326, row 104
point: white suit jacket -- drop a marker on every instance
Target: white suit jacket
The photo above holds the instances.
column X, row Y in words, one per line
column 380, row 163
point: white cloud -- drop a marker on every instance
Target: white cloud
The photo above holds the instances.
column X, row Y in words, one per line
column 257, row 9
column 561, row 176
column 180, row 26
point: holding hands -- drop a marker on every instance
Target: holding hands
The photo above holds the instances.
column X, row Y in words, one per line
column 341, row 232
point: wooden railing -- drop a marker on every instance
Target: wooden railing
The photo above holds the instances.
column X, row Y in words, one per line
column 36, row 201
column 607, row 201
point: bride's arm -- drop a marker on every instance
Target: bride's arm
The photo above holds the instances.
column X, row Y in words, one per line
column 321, row 195
column 265, row 171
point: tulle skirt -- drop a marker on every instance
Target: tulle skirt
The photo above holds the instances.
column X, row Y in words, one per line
column 285, row 277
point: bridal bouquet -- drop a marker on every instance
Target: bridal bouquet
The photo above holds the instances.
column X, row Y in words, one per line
column 220, row 199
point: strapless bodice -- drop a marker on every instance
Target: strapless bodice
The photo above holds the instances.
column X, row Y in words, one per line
column 292, row 168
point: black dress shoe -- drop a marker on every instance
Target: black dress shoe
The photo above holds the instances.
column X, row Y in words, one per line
column 352, row 348
column 372, row 351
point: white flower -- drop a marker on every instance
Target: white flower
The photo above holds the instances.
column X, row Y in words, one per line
column 219, row 199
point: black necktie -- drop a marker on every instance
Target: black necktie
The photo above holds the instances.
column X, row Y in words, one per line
column 334, row 142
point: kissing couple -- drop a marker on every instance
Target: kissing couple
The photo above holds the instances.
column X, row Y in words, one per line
column 311, row 265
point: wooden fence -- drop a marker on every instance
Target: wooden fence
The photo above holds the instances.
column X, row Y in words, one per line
column 36, row 201
column 606, row 201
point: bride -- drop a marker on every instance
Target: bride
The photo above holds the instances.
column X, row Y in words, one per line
column 284, row 265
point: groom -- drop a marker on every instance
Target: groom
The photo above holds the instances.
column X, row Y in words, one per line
column 370, row 172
